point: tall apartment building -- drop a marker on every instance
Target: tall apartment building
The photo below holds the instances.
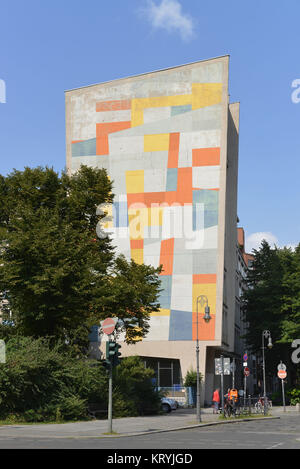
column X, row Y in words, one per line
column 169, row 141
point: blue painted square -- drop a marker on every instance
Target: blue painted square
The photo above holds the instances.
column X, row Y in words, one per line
column 165, row 294
column 210, row 199
column 181, row 325
column 172, row 176
column 120, row 214
column 86, row 148
column 175, row 110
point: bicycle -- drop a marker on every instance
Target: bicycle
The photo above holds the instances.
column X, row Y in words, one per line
column 231, row 408
column 259, row 406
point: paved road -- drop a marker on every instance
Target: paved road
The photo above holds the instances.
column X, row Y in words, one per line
column 283, row 433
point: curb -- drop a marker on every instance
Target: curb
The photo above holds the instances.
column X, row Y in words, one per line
column 188, row 427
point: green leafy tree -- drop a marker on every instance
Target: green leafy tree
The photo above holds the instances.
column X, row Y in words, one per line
column 49, row 249
column 290, row 325
column 272, row 302
column 263, row 298
column 132, row 295
column 57, row 277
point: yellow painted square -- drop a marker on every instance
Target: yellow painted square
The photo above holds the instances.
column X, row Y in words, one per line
column 155, row 216
column 135, row 182
column 137, row 221
column 161, row 312
column 159, row 142
column 137, row 255
column 209, row 290
column 139, row 104
column 206, row 94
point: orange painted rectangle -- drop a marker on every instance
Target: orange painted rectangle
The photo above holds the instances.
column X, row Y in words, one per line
column 102, row 145
column 185, row 185
column 173, row 150
column 116, row 105
column 167, row 256
column 204, row 278
column 135, row 199
column 206, row 156
column 110, row 127
column 136, row 244
column 206, row 331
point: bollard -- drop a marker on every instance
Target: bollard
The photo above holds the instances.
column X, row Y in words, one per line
column 249, row 403
column 298, row 407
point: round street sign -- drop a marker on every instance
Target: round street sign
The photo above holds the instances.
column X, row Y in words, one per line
column 282, row 374
column 246, row 371
column 281, row 366
column 108, row 326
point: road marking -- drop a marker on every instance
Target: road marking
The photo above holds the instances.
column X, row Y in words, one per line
column 275, row 446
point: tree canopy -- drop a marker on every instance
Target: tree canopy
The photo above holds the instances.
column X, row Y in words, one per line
column 272, row 300
column 56, row 275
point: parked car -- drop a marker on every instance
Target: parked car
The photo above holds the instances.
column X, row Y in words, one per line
column 168, row 404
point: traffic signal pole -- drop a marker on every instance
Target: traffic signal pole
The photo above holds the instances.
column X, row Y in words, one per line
column 110, row 399
column 112, row 360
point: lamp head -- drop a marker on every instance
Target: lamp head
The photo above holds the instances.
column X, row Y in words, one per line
column 207, row 316
column 270, row 345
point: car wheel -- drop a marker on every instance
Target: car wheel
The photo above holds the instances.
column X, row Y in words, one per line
column 166, row 408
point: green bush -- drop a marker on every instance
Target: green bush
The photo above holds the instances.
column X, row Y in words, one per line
column 191, row 379
column 42, row 381
column 294, row 395
column 134, row 389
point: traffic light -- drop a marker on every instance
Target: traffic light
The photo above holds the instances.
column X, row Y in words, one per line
column 112, row 353
column 116, row 361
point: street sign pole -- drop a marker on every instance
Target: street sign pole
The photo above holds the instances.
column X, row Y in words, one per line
column 222, row 382
column 283, row 396
column 233, row 373
column 282, row 374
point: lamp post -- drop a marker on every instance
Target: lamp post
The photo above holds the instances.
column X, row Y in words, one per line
column 202, row 300
column 265, row 335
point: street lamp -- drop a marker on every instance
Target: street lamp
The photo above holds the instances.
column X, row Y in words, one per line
column 201, row 300
column 265, row 335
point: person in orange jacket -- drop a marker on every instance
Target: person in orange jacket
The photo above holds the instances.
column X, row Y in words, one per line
column 216, row 400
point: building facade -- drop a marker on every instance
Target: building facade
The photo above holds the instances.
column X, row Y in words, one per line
column 169, row 141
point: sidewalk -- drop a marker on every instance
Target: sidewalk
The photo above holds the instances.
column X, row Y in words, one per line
column 181, row 418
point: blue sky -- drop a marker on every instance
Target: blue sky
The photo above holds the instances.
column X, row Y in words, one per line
column 48, row 47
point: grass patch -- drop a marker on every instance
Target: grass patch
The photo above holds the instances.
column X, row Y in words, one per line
column 244, row 416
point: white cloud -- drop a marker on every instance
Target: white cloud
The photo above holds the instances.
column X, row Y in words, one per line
column 254, row 241
column 168, row 15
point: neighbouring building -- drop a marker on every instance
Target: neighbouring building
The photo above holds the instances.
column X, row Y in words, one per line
column 244, row 263
column 169, row 141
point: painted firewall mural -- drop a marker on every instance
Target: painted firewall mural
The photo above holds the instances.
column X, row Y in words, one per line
column 158, row 136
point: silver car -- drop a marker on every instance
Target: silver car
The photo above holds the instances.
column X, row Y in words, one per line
column 168, row 404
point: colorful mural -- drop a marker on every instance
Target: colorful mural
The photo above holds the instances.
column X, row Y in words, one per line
column 159, row 137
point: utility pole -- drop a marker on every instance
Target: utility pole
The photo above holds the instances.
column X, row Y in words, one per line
column 202, row 300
